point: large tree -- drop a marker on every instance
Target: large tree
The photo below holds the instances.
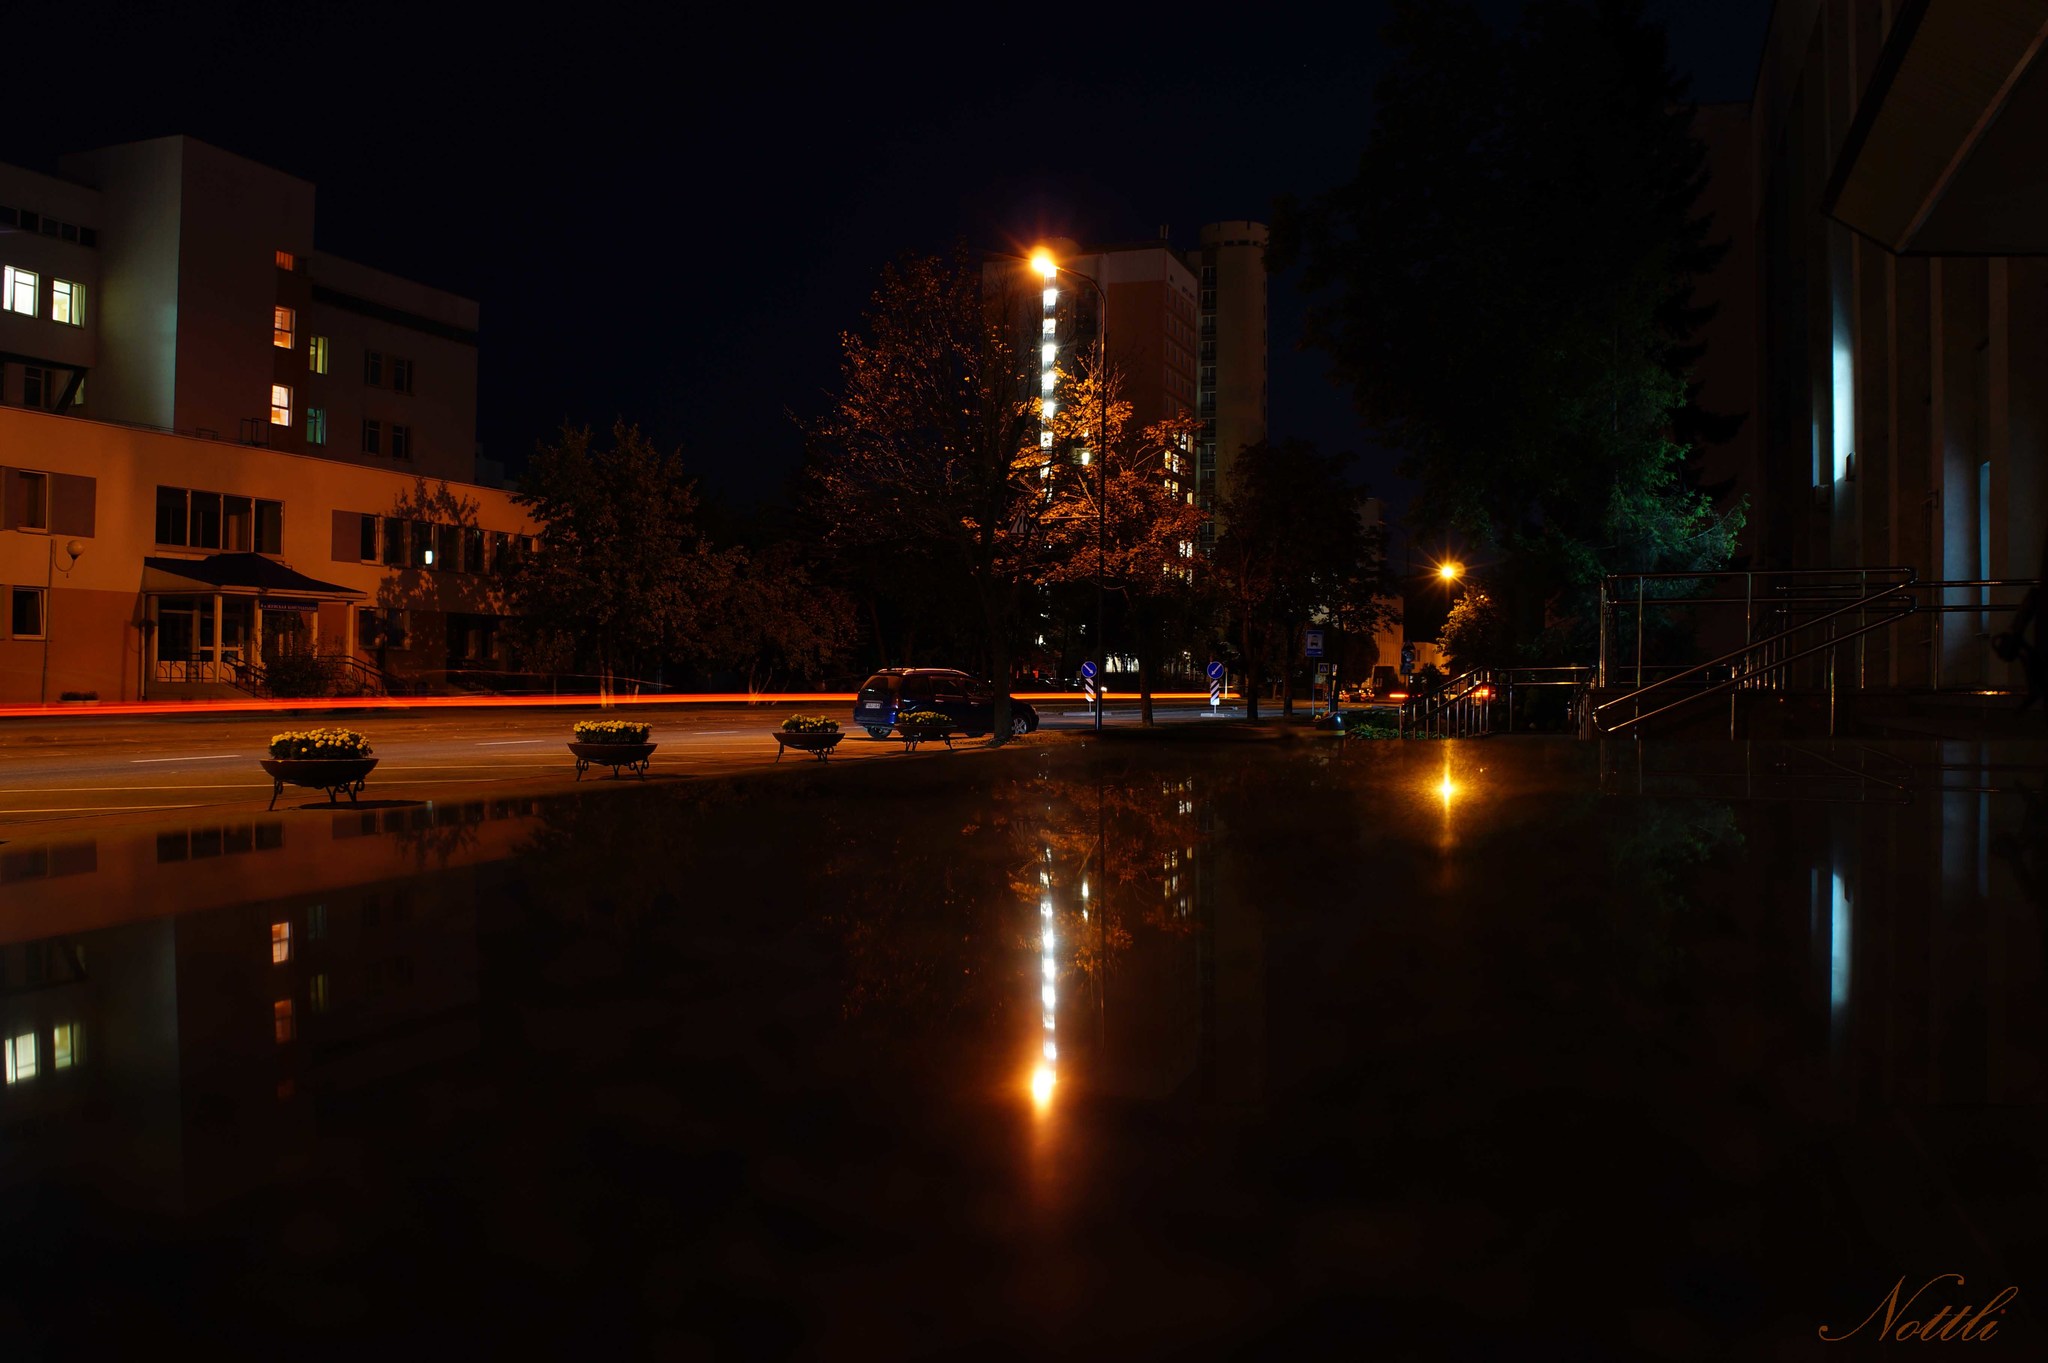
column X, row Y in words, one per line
column 621, row 581
column 929, row 448
column 1295, row 551
column 1127, row 518
column 1506, row 287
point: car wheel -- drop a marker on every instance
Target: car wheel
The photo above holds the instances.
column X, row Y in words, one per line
column 1020, row 725
column 878, row 731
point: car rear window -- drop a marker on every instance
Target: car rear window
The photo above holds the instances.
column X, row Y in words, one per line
column 880, row 686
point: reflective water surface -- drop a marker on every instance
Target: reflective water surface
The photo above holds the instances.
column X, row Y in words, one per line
column 1515, row 1049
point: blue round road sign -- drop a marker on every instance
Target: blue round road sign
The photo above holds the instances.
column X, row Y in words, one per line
column 1216, row 671
column 1088, row 669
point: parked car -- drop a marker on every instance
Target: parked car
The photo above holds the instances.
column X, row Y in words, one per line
column 904, row 690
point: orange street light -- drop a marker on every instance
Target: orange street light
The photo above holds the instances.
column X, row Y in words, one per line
column 1449, row 571
column 1045, row 265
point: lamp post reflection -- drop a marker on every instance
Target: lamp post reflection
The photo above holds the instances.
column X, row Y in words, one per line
column 1045, row 1075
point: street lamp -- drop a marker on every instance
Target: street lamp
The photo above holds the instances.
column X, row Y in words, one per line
column 74, row 548
column 1449, row 571
column 1043, row 262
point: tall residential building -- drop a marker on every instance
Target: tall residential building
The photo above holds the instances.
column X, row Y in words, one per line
column 1231, row 387
column 222, row 448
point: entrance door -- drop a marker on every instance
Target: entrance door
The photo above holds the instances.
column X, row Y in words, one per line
column 285, row 634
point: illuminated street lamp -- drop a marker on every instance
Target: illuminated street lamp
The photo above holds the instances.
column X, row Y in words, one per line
column 1449, row 571
column 1043, row 262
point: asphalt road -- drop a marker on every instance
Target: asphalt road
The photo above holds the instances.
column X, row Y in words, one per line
column 99, row 769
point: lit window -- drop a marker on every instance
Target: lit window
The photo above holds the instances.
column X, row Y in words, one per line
column 316, row 426
column 67, row 302
column 18, row 290
column 316, row 354
column 287, row 261
column 1051, row 327
column 1052, row 298
column 21, row 1057
column 283, row 323
column 1047, row 379
column 1048, row 353
column 281, row 1020
column 64, row 1046
column 280, row 405
column 1048, row 408
column 280, row 943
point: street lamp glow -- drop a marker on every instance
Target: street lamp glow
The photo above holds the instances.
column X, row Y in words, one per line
column 1449, row 571
column 1045, row 265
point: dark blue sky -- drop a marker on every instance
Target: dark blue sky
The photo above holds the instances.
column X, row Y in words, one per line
column 670, row 217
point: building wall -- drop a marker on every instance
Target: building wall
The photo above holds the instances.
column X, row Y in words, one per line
column 1231, row 267
column 140, row 232
column 35, row 205
column 1900, row 414
column 95, row 607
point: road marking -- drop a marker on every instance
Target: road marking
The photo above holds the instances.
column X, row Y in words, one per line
column 509, row 742
column 92, row 809
column 209, row 757
column 99, row 790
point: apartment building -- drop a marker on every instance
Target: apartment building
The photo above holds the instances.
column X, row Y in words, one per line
column 219, row 446
column 1230, row 266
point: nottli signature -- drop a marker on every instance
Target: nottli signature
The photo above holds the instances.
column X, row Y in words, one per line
column 1946, row 1324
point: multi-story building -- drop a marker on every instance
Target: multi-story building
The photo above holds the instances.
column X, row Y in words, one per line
column 1231, row 386
column 1889, row 200
column 253, row 448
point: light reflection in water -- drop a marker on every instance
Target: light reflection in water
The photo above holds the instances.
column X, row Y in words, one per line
column 1046, row 1073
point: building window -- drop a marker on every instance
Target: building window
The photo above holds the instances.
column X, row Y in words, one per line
column 21, row 1057
column 287, row 261
column 422, row 545
column 316, row 425
column 381, row 627
column 472, row 550
column 316, row 354
column 280, row 943
column 394, row 542
column 38, row 387
column 373, row 368
column 448, row 548
column 401, row 442
column 316, row 993
column 64, row 1040
column 373, row 438
column 280, row 405
column 269, row 527
column 281, row 1021
column 283, row 326
column 18, row 290
column 34, row 491
column 25, row 613
column 170, row 515
column 67, row 302
column 369, row 539
column 401, row 375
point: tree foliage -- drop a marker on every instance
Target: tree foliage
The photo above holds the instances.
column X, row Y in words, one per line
column 1506, row 287
column 1295, row 551
column 621, row 580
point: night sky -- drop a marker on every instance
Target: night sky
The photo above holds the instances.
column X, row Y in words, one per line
column 670, row 217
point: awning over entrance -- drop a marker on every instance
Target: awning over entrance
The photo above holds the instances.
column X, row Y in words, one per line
column 1944, row 155
column 238, row 573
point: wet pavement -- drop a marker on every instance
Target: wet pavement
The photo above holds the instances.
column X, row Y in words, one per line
column 1518, row 1049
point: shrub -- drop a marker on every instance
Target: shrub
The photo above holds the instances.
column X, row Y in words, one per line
column 319, row 744
column 926, row 719
column 300, row 674
column 80, row 695
column 611, row 731
column 810, row 724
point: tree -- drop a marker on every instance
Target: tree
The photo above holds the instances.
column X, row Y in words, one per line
column 1295, row 550
column 621, row 579
column 1475, row 633
column 1138, row 504
column 930, row 446
column 777, row 621
column 1506, row 287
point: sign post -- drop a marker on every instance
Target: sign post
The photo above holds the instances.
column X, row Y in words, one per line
column 1215, row 685
column 1088, row 689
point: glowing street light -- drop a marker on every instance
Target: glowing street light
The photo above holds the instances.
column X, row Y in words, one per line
column 1449, row 571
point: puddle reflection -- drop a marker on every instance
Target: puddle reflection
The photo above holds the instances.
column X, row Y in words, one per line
column 1410, row 1013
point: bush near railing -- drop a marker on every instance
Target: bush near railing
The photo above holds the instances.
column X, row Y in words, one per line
column 810, row 724
column 300, row 674
column 298, row 744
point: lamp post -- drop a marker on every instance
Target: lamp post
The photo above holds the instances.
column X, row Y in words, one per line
column 1052, row 269
column 73, row 548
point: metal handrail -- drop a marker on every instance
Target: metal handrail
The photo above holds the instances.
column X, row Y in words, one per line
column 1862, row 603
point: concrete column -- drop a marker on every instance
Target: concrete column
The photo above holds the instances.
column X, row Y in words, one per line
column 217, row 623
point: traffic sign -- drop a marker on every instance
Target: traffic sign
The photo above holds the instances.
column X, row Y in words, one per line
column 1312, row 643
column 1322, row 671
column 1216, row 671
column 1088, row 669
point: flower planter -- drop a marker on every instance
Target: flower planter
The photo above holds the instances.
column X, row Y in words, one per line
column 632, row 756
column 818, row 745
column 914, row 734
column 335, row 775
